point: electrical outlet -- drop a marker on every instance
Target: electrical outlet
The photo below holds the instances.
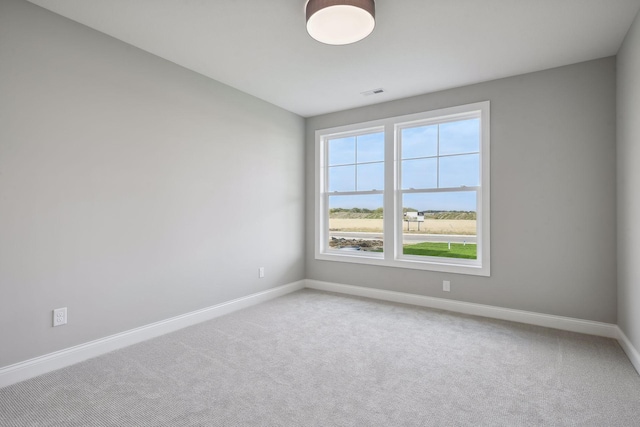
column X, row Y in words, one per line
column 261, row 272
column 446, row 286
column 60, row 316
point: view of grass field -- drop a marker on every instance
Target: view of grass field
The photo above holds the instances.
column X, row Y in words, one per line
column 458, row 250
column 429, row 226
column 360, row 220
column 370, row 220
column 362, row 213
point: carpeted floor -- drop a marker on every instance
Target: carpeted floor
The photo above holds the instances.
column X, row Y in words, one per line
column 319, row 359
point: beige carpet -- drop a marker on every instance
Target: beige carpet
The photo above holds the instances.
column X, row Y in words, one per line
column 319, row 359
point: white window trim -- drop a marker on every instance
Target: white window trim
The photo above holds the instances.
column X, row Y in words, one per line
column 392, row 255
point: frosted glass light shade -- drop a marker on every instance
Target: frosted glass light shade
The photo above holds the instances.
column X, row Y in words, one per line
column 340, row 22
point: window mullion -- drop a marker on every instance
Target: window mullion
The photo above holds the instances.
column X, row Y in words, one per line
column 355, row 166
column 438, row 190
column 389, row 214
column 354, row 193
column 438, row 159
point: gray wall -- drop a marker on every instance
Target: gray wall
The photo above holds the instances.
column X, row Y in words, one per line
column 131, row 189
column 553, row 178
column 122, row 176
column 628, row 185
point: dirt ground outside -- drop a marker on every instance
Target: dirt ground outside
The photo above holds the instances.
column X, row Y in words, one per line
column 429, row 226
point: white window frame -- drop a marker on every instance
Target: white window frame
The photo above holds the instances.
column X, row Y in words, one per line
column 392, row 255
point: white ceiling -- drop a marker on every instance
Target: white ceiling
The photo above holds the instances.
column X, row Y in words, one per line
column 418, row 46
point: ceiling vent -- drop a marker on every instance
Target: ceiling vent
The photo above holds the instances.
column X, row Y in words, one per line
column 373, row 92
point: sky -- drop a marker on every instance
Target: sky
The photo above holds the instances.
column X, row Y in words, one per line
column 432, row 157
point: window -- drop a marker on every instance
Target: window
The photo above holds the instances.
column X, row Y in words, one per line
column 410, row 191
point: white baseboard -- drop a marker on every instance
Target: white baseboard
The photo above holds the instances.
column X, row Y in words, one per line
column 556, row 322
column 629, row 349
column 40, row 365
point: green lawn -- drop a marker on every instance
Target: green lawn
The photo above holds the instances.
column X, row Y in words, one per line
column 458, row 250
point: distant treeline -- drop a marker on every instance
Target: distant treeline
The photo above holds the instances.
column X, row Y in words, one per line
column 360, row 213
column 364, row 213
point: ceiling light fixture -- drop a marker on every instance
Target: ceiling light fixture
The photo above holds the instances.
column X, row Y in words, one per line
column 339, row 22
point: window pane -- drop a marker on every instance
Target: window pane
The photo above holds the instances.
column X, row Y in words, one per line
column 456, row 171
column 371, row 177
column 460, row 137
column 447, row 227
column 355, row 223
column 419, row 141
column 342, row 178
column 422, row 173
column 342, row 151
column 370, row 147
